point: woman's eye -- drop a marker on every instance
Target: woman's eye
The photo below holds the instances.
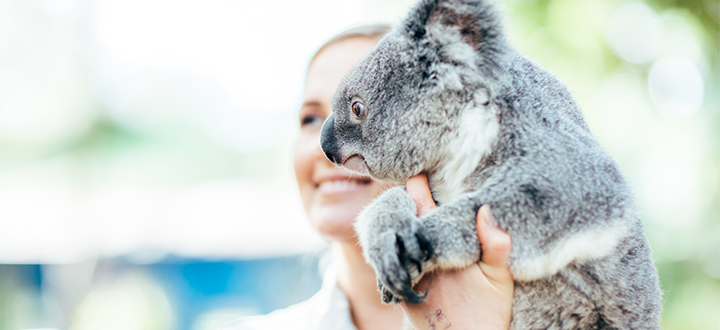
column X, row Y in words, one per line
column 358, row 109
column 310, row 120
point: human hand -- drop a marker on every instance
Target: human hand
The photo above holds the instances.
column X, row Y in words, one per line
column 479, row 296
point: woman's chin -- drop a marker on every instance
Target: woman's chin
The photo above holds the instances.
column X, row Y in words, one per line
column 336, row 222
column 334, row 207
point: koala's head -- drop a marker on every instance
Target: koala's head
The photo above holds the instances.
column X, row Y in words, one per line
column 395, row 114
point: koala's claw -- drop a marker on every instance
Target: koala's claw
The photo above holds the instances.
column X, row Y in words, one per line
column 425, row 245
column 390, row 298
column 413, row 297
column 387, row 296
column 399, row 271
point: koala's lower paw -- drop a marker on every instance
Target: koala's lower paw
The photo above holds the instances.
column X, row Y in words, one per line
column 387, row 296
column 398, row 259
column 395, row 244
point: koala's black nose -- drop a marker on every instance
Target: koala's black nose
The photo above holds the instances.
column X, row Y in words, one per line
column 327, row 139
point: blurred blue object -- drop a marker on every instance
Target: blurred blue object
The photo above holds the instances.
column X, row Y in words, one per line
column 201, row 294
column 256, row 286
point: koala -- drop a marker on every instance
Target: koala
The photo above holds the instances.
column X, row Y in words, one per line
column 446, row 95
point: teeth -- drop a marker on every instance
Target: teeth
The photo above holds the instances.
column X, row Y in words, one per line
column 338, row 185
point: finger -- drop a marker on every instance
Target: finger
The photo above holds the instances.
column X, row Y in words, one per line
column 417, row 187
column 496, row 246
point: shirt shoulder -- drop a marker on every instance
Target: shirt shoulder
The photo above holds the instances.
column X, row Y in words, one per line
column 328, row 309
column 297, row 317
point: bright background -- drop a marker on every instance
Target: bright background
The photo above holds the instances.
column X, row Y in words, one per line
column 145, row 172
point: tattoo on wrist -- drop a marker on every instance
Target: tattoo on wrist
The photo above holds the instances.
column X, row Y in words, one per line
column 437, row 320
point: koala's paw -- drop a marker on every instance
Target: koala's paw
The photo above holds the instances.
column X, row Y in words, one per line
column 395, row 244
column 398, row 257
column 387, row 296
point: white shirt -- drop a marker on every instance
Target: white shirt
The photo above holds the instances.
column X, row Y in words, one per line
column 328, row 309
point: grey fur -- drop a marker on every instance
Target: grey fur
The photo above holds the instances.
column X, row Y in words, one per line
column 444, row 77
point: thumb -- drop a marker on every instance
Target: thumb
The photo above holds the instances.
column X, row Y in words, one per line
column 496, row 246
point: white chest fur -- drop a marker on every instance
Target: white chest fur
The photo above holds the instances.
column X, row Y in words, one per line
column 472, row 141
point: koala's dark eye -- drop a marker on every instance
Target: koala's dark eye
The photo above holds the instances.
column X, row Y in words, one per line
column 358, row 109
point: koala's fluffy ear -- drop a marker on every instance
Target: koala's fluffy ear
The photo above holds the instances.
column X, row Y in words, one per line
column 475, row 20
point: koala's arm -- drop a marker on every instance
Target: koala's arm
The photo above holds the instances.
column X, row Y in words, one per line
column 452, row 232
column 543, row 240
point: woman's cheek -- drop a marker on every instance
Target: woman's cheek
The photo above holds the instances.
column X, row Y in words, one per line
column 303, row 165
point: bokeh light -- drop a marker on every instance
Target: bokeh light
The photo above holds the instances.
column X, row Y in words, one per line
column 635, row 33
column 676, row 86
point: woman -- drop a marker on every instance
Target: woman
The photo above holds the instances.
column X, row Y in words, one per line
column 476, row 297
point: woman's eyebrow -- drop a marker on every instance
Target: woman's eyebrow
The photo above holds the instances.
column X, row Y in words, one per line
column 311, row 104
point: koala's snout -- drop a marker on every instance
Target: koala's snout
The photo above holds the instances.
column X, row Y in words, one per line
column 327, row 139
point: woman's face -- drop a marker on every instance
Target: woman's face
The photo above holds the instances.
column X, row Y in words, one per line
column 332, row 196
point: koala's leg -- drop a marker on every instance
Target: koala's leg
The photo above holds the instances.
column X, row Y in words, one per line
column 395, row 244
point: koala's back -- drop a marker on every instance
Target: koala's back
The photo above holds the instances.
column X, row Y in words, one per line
column 546, row 160
column 548, row 173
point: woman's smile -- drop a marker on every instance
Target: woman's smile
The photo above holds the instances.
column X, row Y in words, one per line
column 335, row 184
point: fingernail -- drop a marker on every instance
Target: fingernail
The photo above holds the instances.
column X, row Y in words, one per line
column 487, row 215
column 481, row 217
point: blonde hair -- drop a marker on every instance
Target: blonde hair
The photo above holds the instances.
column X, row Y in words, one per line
column 376, row 31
